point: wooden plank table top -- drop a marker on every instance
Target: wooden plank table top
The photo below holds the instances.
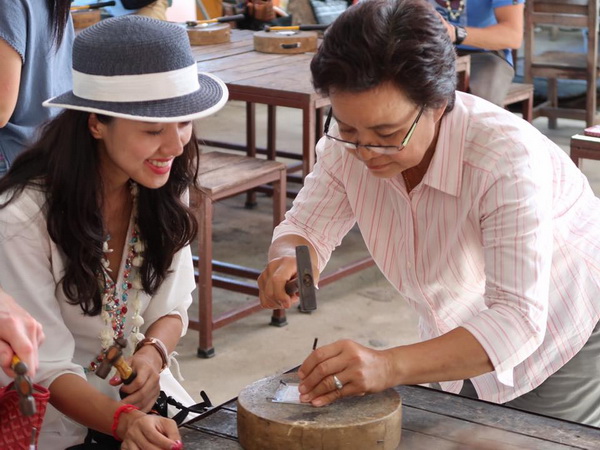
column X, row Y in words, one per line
column 431, row 419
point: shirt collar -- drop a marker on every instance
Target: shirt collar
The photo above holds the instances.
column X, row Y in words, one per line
column 446, row 167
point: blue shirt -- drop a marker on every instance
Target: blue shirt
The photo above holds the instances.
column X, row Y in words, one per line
column 475, row 13
column 45, row 73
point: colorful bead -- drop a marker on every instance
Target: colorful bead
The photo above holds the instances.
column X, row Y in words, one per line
column 114, row 306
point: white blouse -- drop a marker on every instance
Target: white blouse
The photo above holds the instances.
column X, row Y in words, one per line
column 31, row 270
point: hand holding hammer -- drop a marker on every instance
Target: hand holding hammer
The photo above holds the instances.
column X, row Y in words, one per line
column 113, row 357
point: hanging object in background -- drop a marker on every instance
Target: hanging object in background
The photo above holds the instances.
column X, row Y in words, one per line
column 87, row 15
column 293, row 39
column 212, row 31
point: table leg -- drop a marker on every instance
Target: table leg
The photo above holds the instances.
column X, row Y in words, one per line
column 271, row 132
column 205, row 250
column 251, row 145
column 308, row 139
column 278, row 317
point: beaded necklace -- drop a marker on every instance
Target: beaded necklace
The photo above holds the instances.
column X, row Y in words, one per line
column 455, row 13
column 114, row 306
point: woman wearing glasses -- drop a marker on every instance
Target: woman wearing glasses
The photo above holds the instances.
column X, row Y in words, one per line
column 485, row 227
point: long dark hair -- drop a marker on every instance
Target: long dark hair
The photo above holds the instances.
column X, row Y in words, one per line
column 58, row 18
column 401, row 41
column 64, row 163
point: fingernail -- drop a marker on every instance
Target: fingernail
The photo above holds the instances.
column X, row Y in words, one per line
column 115, row 379
column 305, row 398
column 178, row 445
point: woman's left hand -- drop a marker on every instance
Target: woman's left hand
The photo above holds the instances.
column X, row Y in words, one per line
column 359, row 369
column 144, row 390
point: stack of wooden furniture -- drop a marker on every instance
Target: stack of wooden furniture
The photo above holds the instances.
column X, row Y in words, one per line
column 555, row 65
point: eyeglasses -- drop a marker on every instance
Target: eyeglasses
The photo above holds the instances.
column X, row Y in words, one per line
column 381, row 149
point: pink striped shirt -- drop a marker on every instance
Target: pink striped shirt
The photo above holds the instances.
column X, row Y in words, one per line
column 501, row 237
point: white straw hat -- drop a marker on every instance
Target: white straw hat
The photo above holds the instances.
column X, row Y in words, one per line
column 139, row 68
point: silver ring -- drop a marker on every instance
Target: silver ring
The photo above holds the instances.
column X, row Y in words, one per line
column 338, row 383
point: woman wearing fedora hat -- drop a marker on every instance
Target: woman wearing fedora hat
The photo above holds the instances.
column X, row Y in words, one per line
column 95, row 228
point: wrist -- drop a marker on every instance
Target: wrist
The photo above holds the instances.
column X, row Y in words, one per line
column 460, row 34
column 159, row 352
column 123, row 417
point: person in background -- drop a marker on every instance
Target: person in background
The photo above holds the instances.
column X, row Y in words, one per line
column 156, row 9
column 20, row 334
column 488, row 30
column 95, row 229
column 483, row 225
column 35, row 63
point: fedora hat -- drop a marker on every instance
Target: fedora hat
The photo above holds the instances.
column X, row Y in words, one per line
column 139, row 68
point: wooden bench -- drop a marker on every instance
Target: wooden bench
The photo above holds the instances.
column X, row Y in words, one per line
column 223, row 175
column 521, row 93
column 584, row 147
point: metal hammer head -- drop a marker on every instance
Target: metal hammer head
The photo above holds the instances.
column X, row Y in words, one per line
column 304, row 284
column 113, row 356
column 24, row 387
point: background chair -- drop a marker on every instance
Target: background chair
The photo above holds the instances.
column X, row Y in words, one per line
column 555, row 65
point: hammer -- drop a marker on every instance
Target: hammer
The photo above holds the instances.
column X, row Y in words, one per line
column 23, row 387
column 310, row 27
column 113, row 356
column 304, row 284
column 205, row 23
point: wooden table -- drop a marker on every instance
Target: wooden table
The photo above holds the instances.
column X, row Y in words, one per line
column 271, row 79
column 276, row 80
column 279, row 80
column 431, row 420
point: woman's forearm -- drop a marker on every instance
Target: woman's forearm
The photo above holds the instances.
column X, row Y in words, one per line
column 168, row 330
column 456, row 355
column 77, row 399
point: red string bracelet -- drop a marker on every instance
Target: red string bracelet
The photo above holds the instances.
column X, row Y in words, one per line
column 120, row 410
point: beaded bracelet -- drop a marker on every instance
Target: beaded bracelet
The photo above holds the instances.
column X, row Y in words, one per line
column 120, row 410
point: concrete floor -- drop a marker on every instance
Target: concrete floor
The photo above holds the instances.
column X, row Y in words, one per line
column 362, row 307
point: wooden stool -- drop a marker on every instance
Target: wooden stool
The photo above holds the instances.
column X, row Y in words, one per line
column 224, row 175
column 521, row 93
column 582, row 146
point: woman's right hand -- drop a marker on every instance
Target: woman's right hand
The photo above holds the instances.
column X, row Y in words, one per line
column 148, row 432
column 272, row 281
column 20, row 334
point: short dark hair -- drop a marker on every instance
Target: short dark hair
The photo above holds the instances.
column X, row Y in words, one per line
column 400, row 41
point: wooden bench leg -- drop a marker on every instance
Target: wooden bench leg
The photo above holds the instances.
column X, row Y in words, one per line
column 278, row 318
column 574, row 154
column 553, row 97
column 205, row 306
column 528, row 108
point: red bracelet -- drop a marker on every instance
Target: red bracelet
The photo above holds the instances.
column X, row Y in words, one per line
column 120, row 410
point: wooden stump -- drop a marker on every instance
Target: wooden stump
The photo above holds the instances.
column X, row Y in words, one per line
column 84, row 19
column 216, row 33
column 285, row 41
column 354, row 423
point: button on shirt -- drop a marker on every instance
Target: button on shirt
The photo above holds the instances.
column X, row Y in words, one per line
column 501, row 237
